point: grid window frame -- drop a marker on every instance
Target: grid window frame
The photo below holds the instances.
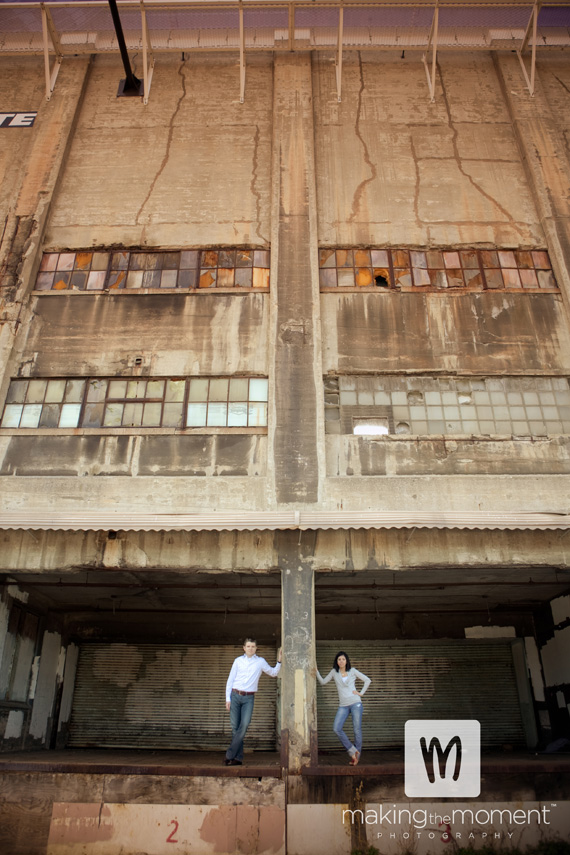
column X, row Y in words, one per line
column 437, row 270
column 139, row 403
column 234, row 269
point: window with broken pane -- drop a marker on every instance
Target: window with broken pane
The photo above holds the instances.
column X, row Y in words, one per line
column 148, row 402
column 144, row 269
column 428, row 406
column 436, row 269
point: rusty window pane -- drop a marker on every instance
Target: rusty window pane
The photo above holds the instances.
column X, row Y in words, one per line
column 207, row 278
column 507, row 259
column 344, row 258
column 260, row 277
column 529, row 279
column 238, row 389
column 31, row 415
column 327, row 258
column 219, row 390
column 541, row 260
column 364, row 277
column 244, row 258
column 49, row 261
column 117, row 389
column 69, row 416
column 511, row 278
column 421, row 277
column 546, row 279
column 400, row 258
column 244, row 277
column 210, row 259
column 226, row 277
column 175, row 390
column 12, row 415
column 61, row 281
column 55, row 391
column 17, row 391
column 36, row 391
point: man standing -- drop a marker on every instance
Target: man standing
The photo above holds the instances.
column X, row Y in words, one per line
column 240, row 693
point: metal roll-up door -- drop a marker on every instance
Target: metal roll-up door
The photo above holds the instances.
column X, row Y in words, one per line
column 469, row 679
column 164, row 696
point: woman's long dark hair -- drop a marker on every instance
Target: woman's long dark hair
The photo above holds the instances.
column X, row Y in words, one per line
column 335, row 663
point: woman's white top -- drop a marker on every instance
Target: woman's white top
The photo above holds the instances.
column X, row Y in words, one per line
column 346, row 686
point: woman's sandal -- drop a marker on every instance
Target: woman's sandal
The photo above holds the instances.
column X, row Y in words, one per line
column 355, row 758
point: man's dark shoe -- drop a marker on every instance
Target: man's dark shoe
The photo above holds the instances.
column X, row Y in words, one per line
column 234, row 762
column 227, row 762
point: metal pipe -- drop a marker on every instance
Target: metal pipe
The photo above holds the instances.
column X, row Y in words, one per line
column 132, row 84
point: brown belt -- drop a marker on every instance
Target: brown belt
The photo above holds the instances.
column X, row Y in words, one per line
column 239, row 692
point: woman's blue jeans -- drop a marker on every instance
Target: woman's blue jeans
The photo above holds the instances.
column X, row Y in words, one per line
column 241, row 710
column 355, row 710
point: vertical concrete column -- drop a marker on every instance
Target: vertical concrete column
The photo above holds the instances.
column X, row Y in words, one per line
column 21, row 242
column 298, row 633
column 296, row 372
column 545, row 162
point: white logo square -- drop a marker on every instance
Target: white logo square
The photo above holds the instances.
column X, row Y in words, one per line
column 442, row 758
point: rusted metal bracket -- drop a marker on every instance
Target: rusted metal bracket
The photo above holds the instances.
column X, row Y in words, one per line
column 50, row 32
column 148, row 67
column 533, row 22
column 432, row 43
column 241, row 55
column 338, row 60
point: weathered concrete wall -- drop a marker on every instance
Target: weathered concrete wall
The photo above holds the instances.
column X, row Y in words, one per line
column 174, row 335
column 486, row 333
column 191, row 168
column 395, row 169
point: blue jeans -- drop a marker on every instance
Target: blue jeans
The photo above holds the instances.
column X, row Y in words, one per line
column 355, row 710
column 241, row 710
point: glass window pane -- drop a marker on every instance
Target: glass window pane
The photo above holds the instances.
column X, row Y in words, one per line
column 175, row 390
column 66, row 260
column 151, row 414
column 55, row 391
column 96, row 281
column 113, row 415
column 74, row 391
column 11, row 417
column 172, row 415
column 17, row 392
column 243, row 277
column 50, row 415
column 31, row 416
column 44, row 281
column 198, row 390
column 196, row 415
column 36, row 391
column 154, row 388
column 217, row 415
column 100, row 261
column 238, row 389
column 96, row 390
column 69, row 415
column 117, row 389
column 93, row 415
column 135, row 278
column 258, row 387
column 237, row 415
column 257, row 415
column 49, row 261
column 219, row 389
column 188, row 260
column 132, row 415
column 136, row 389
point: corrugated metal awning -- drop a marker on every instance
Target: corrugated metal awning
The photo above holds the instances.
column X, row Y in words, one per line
column 278, row 520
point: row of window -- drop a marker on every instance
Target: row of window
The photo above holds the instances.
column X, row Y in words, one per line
column 402, row 269
column 408, row 269
column 516, row 406
column 184, row 269
column 137, row 402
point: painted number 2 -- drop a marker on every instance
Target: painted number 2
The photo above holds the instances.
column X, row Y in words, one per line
column 170, row 838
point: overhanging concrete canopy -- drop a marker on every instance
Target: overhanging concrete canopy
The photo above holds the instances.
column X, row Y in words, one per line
column 85, row 27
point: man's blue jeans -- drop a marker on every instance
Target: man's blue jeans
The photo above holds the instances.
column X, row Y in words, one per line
column 241, row 710
column 355, row 710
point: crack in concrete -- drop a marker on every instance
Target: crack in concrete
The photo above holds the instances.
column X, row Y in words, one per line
column 419, row 222
column 471, row 180
column 253, row 186
column 360, row 189
column 168, row 144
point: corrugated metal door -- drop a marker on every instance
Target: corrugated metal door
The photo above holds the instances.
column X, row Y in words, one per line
column 163, row 696
column 452, row 679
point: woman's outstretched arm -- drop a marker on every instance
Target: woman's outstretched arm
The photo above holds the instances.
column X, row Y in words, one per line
column 327, row 679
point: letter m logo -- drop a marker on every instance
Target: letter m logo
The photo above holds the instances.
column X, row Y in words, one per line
column 442, row 756
column 432, row 770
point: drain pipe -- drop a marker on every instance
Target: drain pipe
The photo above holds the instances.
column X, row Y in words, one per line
column 131, row 85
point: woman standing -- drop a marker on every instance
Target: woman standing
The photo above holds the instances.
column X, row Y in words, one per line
column 349, row 702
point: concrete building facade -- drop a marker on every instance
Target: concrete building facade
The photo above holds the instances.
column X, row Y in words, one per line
column 295, row 367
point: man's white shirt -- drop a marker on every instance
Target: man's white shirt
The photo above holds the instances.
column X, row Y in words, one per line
column 246, row 672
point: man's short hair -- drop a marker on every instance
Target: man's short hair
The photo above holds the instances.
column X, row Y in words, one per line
column 254, row 640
